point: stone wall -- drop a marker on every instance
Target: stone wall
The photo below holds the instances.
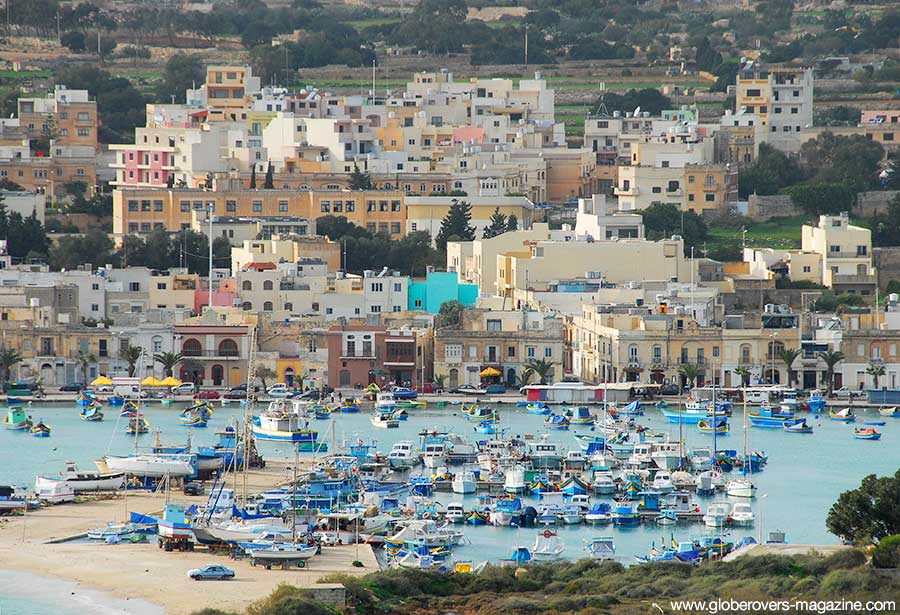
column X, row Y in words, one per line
column 752, row 300
column 762, row 208
column 869, row 203
column 887, row 262
column 333, row 594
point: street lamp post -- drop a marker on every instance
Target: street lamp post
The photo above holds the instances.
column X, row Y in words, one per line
column 210, row 208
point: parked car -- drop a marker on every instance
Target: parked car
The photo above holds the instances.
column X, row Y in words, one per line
column 75, row 387
column 468, row 389
column 206, row 394
column 310, row 394
column 669, row 389
column 495, row 388
column 185, row 388
column 278, row 390
column 329, row 539
column 238, row 392
column 194, row 488
column 212, row 571
column 845, row 393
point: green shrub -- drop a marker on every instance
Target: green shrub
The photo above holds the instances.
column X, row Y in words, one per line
column 887, row 553
column 517, row 604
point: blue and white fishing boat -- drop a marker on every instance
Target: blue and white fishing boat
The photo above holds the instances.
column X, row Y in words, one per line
column 115, row 400
column 798, row 427
column 349, row 406
column 400, row 414
column 478, row 414
column 625, row 514
column 815, row 402
column 86, row 398
column 537, row 408
column 667, row 517
column 486, row 427
column 768, row 416
column 599, row 514
column 556, row 421
column 631, row 409
column 506, row 511
column 519, row 557
column 91, row 414
column 580, row 415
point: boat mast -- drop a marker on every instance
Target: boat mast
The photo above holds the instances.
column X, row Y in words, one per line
column 715, row 450
column 248, row 412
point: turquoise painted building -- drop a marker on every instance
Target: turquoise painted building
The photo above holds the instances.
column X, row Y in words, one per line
column 438, row 287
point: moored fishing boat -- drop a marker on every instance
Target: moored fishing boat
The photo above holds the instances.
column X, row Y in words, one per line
column 537, row 408
column 866, row 433
column 718, row 514
column 601, row 548
column 455, row 513
column 40, row 430
column 486, row 427
column 579, row 415
column 282, row 425
column 478, row 414
column 893, row 411
column 556, row 421
column 91, row 414
column 86, row 398
column 846, row 415
column 349, row 406
column 768, row 416
column 16, row 419
column 799, row 427
column 384, row 420
column 631, row 409
column 547, row 546
column 599, row 514
column 815, row 402
column 137, row 425
column 720, row 426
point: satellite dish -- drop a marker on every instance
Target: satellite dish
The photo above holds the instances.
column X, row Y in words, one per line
column 637, row 111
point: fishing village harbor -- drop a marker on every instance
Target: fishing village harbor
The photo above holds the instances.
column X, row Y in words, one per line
column 393, row 479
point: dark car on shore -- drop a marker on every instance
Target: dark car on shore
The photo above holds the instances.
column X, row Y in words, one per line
column 75, row 387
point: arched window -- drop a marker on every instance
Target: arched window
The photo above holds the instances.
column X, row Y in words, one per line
column 247, row 285
column 247, row 305
column 191, row 348
column 267, row 285
column 267, row 306
column 228, row 348
column 289, row 307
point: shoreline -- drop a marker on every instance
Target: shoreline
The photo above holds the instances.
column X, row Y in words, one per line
column 72, row 595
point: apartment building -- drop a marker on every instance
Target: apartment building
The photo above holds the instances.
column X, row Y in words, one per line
column 845, row 252
column 362, row 354
column 139, row 211
column 505, row 340
column 781, row 97
column 215, row 347
column 51, row 142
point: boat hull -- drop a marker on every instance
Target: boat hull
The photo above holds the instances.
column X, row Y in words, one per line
column 153, row 467
column 104, row 482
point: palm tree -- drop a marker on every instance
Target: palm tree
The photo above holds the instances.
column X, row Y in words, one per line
column 439, row 381
column 264, row 373
column 9, row 358
column 524, row 378
column 744, row 373
column 788, row 356
column 85, row 360
column 132, row 355
column 540, row 367
column 831, row 359
column 168, row 360
column 689, row 372
column 875, row 370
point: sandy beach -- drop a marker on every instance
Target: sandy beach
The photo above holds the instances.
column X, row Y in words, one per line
column 143, row 571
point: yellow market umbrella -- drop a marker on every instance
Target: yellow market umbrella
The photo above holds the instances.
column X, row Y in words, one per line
column 169, row 381
column 101, row 381
column 150, row 381
column 489, row 372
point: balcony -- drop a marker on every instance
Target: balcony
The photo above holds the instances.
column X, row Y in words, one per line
column 632, row 191
column 843, row 279
column 219, row 355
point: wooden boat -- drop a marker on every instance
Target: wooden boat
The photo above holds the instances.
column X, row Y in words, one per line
column 137, row 425
column 893, row 411
column 537, row 408
column 83, row 481
column 721, row 426
column 40, row 430
column 866, row 433
column 349, row 406
column 800, row 427
column 91, row 414
column 846, row 415
column 770, row 416
column 556, row 421
column 16, row 419
column 384, row 421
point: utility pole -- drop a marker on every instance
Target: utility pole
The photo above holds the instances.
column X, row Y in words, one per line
column 210, row 208
column 526, row 45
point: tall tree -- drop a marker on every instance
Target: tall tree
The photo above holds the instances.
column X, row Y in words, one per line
column 9, row 358
column 744, row 375
column 455, row 225
column 876, row 370
column 450, row 313
column 497, row 225
column 512, row 223
column 689, row 372
column 541, row 368
column 253, row 177
column 182, row 72
column 360, row 180
column 264, row 374
column 831, row 359
column 788, row 356
column 132, row 355
column 868, row 513
column 269, row 182
column 84, row 360
column 168, row 360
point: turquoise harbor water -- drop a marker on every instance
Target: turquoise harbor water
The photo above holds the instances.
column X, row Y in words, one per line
column 804, row 476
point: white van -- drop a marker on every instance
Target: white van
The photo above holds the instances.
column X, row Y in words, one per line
column 129, row 391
